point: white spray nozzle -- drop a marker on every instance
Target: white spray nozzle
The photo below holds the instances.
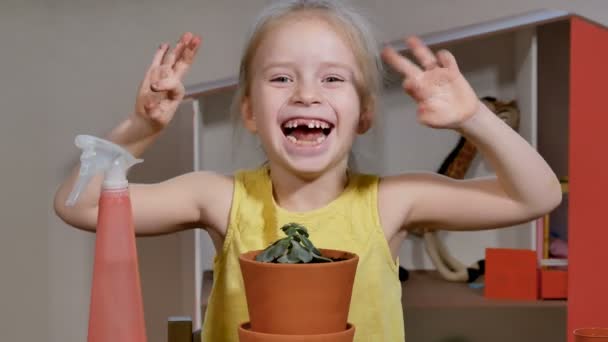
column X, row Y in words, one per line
column 99, row 155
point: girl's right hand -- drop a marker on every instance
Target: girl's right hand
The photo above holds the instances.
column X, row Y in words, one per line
column 162, row 90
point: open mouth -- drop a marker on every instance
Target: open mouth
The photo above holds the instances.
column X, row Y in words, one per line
column 306, row 132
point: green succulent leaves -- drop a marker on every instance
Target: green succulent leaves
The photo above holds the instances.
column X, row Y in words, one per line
column 294, row 249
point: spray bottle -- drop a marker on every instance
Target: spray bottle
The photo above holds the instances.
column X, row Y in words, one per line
column 116, row 307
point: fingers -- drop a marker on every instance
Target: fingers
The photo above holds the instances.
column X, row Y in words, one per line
column 159, row 55
column 151, row 75
column 191, row 43
column 162, row 89
column 157, row 89
column 423, row 54
column 428, row 59
column 176, row 53
column 171, row 55
column 167, row 61
column 172, row 85
column 165, row 84
column 413, row 89
column 401, row 63
column 448, row 60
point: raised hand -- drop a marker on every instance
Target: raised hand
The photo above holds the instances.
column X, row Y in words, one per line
column 444, row 97
column 162, row 89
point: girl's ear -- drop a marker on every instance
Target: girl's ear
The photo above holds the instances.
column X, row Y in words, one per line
column 365, row 121
column 248, row 116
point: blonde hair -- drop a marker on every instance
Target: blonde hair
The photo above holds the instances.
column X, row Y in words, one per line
column 346, row 20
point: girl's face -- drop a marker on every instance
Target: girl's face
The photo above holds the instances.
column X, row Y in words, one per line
column 303, row 101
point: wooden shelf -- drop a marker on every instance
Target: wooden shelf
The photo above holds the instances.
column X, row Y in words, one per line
column 426, row 289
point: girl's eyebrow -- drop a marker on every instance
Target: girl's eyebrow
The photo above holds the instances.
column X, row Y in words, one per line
column 332, row 64
column 337, row 65
column 278, row 65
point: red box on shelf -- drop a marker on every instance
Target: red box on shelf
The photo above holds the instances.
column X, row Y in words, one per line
column 511, row 274
column 553, row 284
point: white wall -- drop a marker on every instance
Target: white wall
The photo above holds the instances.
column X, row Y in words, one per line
column 24, row 273
column 71, row 67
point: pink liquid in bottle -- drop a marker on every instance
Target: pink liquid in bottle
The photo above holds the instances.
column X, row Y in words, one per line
column 116, row 311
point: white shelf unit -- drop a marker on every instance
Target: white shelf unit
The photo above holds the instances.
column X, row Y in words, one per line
column 499, row 58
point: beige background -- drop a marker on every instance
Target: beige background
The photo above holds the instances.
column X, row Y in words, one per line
column 70, row 67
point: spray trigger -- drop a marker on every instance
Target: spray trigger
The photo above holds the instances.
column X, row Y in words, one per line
column 99, row 155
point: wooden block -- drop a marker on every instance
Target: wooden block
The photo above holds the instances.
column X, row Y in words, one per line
column 179, row 329
column 553, row 284
column 511, row 274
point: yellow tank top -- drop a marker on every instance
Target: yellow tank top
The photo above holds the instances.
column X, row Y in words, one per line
column 350, row 223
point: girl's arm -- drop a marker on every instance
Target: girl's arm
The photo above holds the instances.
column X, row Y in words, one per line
column 178, row 203
column 524, row 188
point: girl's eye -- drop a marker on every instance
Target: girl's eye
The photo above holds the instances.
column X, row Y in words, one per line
column 332, row 79
column 280, row 79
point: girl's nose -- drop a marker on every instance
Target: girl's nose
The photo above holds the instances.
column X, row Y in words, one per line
column 305, row 94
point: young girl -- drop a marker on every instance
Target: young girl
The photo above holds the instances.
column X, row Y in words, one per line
column 308, row 84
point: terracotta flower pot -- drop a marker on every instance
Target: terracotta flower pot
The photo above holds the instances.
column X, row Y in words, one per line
column 247, row 335
column 299, row 299
column 591, row 335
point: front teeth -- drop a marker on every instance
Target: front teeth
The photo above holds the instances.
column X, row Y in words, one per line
column 310, row 124
column 316, row 124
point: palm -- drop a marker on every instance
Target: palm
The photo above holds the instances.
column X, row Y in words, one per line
column 444, row 97
column 162, row 90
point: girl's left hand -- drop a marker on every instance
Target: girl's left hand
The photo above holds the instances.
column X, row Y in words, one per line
column 444, row 97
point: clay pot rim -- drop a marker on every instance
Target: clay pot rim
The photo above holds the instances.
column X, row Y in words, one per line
column 590, row 332
column 249, row 257
column 246, row 326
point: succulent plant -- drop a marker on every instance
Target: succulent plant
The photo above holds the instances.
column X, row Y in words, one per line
column 294, row 249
